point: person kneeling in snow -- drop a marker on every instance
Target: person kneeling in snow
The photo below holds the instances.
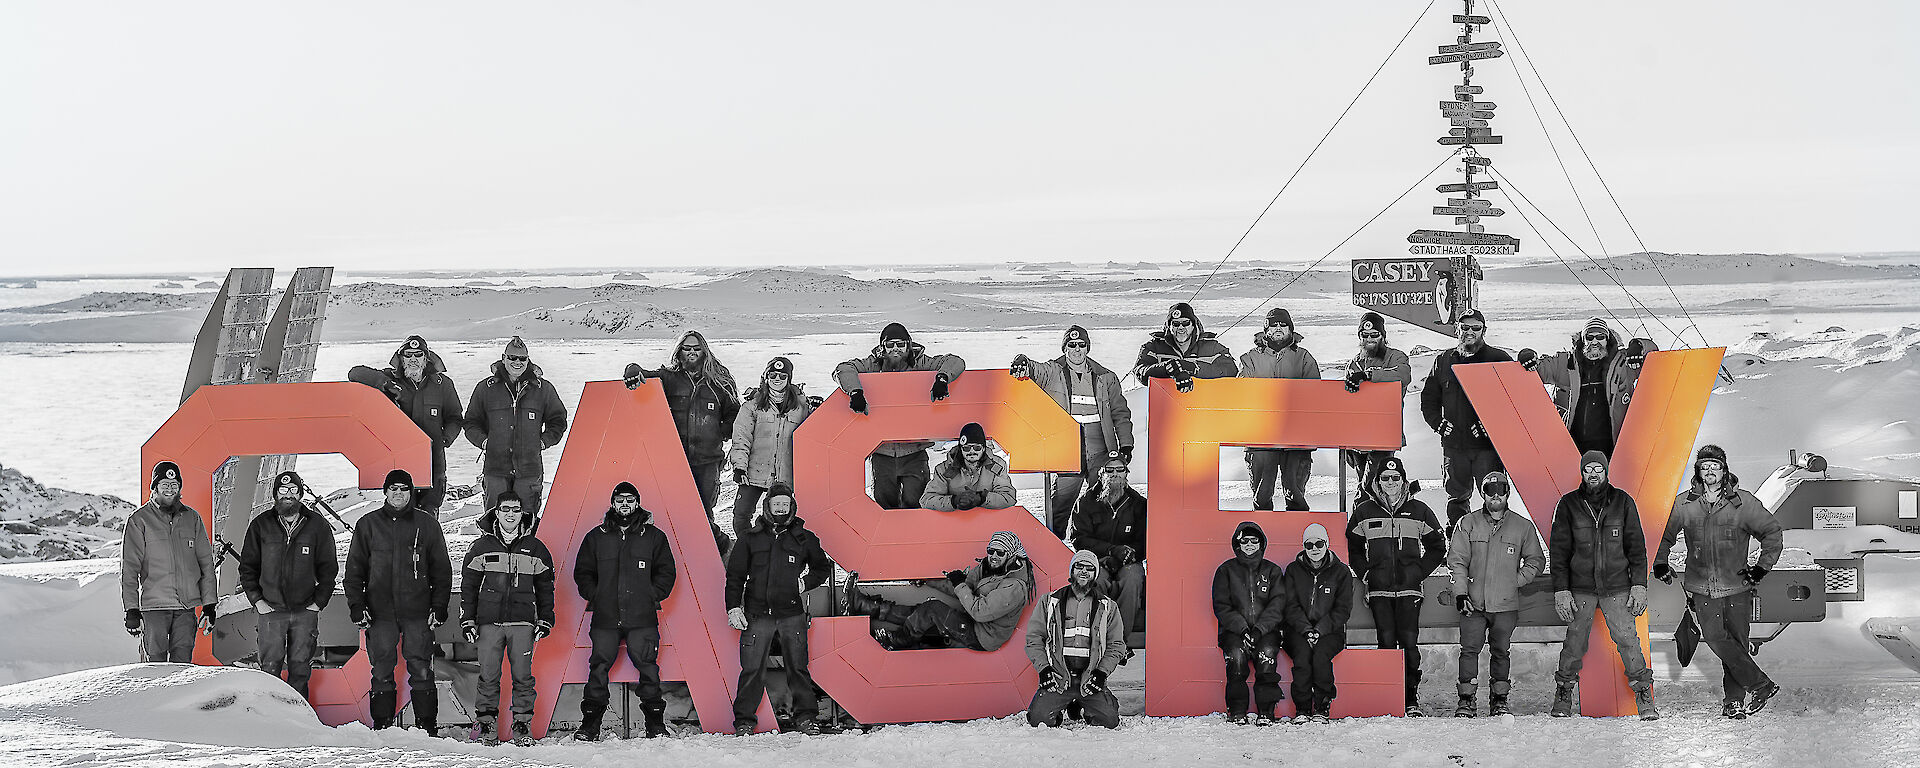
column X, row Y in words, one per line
column 624, row 571
column 1316, row 597
column 970, row 477
column 506, row 599
column 1246, row 592
column 991, row 594
column 1075, row 640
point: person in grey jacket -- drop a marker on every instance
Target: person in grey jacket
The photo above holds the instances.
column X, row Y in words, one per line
column 1720, row 519
column 166, row 570
column 899, row 468
column 1090, row 393
column 1277, row 354
column 1493, row 553
column 762, row 447
column 1376, row 362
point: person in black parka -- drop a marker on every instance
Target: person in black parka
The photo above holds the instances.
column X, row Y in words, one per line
column 774, row 563
column 506, row 605
column 416, row 381
column 1316, row 599
column 625, row 571
column 1244, row 591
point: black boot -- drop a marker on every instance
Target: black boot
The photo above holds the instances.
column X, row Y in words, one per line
column 1497, row 704
column 426, row 711
column 381, row 706
column 590, row 721
column 656, row 712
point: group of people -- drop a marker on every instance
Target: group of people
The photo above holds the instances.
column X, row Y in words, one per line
column 398, row 579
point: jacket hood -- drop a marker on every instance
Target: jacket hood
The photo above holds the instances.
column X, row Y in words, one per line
column 489, row 523
column 1330, row 561
column 1166, row 337
column 1292, row 340
column 499, row 371
column 914, row 351
column 1248, row 527
column 612, row 521
column 434, row 366
column 1613, row 343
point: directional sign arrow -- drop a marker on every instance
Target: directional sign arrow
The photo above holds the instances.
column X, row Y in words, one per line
column 1477, row 160
column 1468, row 89
column 1468, row 131
column 1468, row 106
column 1459, row 19
column 1466, row 219
column 1442, row 210
column 1467, row 202
column 1458, row 115
column 1474, row 186
column 1475, row 139
column 1443, row 237
column 1488, row 46
column 1466, row 123
column 1449, row 58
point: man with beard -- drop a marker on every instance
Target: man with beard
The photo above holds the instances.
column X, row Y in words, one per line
column 506, row 601
column 1721, row 520
column 772, row 565
column 625, row 572
column 704, row 400
column 1466, row 452
column 1316, row 599
column 1380, row 363
column 1112, row 524
column 1277, row 354
column 899, row 468
column 1183, row 350
column 1593, row 383
column 991, row 594
column 287, row 568
column 1493, row 554
column 398, row 583
column 416, row 380
column 1395, row 542
column 1090, row 393
column 166, row 570
column 1246, row 591
column 1599, row 557
column 512, row 416
column 971, row 477
column 1075, row 640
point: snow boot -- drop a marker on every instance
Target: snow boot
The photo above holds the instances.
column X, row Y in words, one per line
column 1563, row 698
column 1074, row 711
column 1760, row 696
column 426, row 711
column 1643, row 700
column 1264, row 720
column 589, row 722
column 1733, row 710
column 1497, row 698
column 1414, row 710
column 381, row 706
column 1466, row 706
column 811, row 727
column 656, row 714
column 485, row 730
column 522, row 735
column 743, row 729
column 1298, row 504
column 1324, row 714
column 1237, row 718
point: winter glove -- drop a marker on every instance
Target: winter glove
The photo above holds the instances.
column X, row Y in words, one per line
column 967, row 499
column 956, row 578
column 939, row 387
column 133, row 621
column 206, row 619
column 1122, row 554
column 1021, row 368
column 633, row 376
column 1563, row 605
column 739, row 476
column 1052, row 680
column 437, row 618
column 1248, row 641
column 394, row 392
column 1183, row 383
column 814, row 401
column 470, row 631
column 364, row 620
column 1637, row 600
column 1126, row 453
column 1096, row 681
column 315, row 607
column 1478, row 430
column 262, row 607
column 541, row 630
column 1465, row 604
column 1354, row 377
column 857, row 401
column 1313, row 636
column 1446, row 428
column 1528, row 359
column 737, row 618
column 1752, row 573
column 1636, row 353
column 1663, row 572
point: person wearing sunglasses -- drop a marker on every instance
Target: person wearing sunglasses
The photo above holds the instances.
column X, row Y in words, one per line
column 1376, row 362
column 1111, row 522
column 1074, row 639
column 512, row 416
column 288, row 568
column 1277, row 354
column 1090, row 393
column 762, row 447
column 1598, row 554
column 416, row 380
column 1593, row 382
column 1183, row 350
column 971, row 477
column 1493, row 552
column 704, row 401
column 1394, row 542
column 1246, row 604
column 1466, row 453
column 776, row 562
column 1316, row 599
column 899, row 468
column 987, row 599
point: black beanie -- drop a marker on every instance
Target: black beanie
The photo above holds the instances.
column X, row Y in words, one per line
column 1391, row 462
column 414, row 342
column 778, row 489
column 1075, row 333
column 1472, row 314
column 895, row 331
column 779, row 365
column 973, row 433
column 165, row 470
column 398, row 477
column 1372, row 321
column 1281, row 316
column 1182, row 309
column 287, row 478
column 624, row 487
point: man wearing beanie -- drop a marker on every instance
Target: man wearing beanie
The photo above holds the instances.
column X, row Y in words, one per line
column 1599, row 557
column 1466, row 453
column 625, row 571
column 1316, row 599
column 1376, row 362
column 1090, row 393
column 1493, row 553
column 1593, row 382
column 899, row 468
column 416, row 381
column 704, row 400
column 398, row 583
column 1394, row 542
column 772, row 565
column 1075, row 641
column 287, row 568
column 512, row 416
column 1111, row 522
column 1277, row 354
column 991, row 595
column 166, row 571
column 1247, row 606
column 1721, row 521
column 1183, row 350
column 971, row 477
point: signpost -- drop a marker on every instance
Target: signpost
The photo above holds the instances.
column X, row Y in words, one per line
column 1454, row 210
column 1471, row 140
column 1476, row 186
column 1449, row 58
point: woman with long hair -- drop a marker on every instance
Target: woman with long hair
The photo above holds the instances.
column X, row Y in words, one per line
column 762, row 451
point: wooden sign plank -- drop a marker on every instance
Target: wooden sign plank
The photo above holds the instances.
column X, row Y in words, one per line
column 1477, row 160
column 1476, row 139
column 1462, row 250
column 1443, row 210
column 1468, row 131
column 1468, row 89
column 1449, row 58
column 1459, row 19
column 1469, row 202
column 1476, row 229
column 1472, row 186
column 1466, row 219
column 1466, row 123
column 1487, row 46
column 1444, row 237
column 1468, row 106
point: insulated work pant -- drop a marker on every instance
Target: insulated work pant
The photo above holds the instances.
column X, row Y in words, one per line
column 167, row 635
column 528, row 489
column 1461, row 470
column 1100, row 708
column 287, row 639
column 1397, row 621
column 515, row 642
column 1480, row 629
column 1626, row 639
column 1313, row 688
column 1129, row 588
column 756, row 644
column 1724, row 626
column 898, row 481
column 1286, row 467
column 643, row 649
column 389, row 641
column 934, row 624
column 1265, row 661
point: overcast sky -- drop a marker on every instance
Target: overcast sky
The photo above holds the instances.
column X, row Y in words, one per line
column 144, row 136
